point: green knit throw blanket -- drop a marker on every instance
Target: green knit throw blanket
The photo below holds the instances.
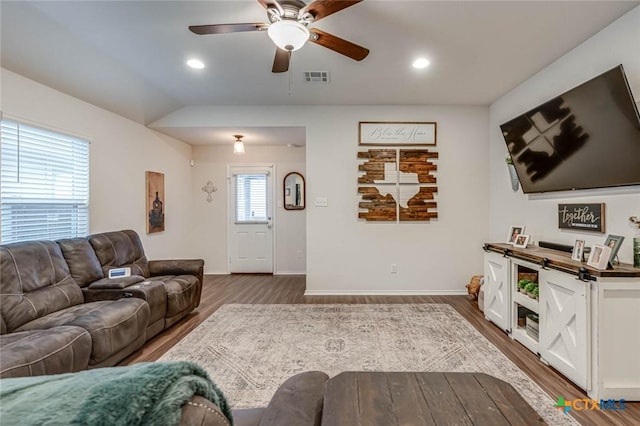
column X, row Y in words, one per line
column 140, row 394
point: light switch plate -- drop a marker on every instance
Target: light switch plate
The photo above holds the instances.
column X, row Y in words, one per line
column 322, row 202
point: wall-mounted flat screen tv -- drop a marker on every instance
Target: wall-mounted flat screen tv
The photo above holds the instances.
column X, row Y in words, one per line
column 588, row 137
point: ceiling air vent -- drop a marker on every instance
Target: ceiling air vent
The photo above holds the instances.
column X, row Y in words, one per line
column 316, row 76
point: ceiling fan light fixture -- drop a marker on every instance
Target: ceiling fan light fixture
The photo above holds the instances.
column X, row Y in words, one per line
column 238, row 145
column 288, row 34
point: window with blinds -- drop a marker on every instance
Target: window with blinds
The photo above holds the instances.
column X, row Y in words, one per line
column 251, row 198
column 44, row 180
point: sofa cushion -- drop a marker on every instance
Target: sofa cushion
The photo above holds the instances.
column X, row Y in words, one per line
column 34, row 353
column 112, row 324
column 120, row 249
column 35, row 282
column 83, row 263
column 154, row 293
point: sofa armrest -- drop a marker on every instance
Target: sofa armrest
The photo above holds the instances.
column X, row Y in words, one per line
column 199, row 411
column 116, row 283
column 298, row 401
column 177, row 267
column 141, row 290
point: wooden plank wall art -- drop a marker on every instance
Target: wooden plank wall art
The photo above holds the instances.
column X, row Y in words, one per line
column 397, row 184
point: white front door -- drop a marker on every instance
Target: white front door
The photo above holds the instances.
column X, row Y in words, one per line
column 250, row 219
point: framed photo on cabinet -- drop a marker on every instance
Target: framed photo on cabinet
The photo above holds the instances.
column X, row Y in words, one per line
column 578, row 251
column 599, row 256
column 521, row 241
column 514, row 231
column 613, row 241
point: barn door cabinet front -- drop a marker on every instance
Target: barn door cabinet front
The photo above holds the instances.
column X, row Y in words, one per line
column 564, row 325
column 496, row 292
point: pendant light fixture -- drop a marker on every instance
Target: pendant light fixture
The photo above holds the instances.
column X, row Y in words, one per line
column 238, row 145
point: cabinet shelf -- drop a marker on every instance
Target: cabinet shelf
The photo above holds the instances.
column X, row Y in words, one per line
column 524, row 300
column 520, row 334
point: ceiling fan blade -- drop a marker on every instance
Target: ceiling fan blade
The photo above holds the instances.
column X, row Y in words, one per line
column 323, row 8
column 271, row 4
column 226, row 28
column 281, row 61
column 337, row 44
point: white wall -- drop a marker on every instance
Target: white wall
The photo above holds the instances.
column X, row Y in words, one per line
column 121, row 150
column 348, row 256
column 619, row 43
column 210, row 219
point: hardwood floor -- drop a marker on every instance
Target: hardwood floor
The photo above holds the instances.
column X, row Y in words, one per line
column 222, row 289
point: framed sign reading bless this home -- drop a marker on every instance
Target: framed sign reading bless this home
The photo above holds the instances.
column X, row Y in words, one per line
column 397, row 133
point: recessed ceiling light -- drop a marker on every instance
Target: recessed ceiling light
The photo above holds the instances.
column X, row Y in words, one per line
column 421, row 63
column 195, row 64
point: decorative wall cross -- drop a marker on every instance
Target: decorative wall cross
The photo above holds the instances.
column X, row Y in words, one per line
column 209, row 188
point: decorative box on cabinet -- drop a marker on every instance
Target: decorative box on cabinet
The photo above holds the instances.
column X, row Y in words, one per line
column 589, row 327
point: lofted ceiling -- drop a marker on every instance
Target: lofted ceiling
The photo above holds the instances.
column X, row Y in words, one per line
column 129, row 56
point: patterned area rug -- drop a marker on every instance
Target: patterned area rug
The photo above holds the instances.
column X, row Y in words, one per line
column 249, row 350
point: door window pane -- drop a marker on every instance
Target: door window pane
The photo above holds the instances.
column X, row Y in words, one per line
column 251, row 198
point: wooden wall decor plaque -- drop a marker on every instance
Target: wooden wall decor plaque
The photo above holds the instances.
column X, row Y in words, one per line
column 397, row 185
column 583, row 217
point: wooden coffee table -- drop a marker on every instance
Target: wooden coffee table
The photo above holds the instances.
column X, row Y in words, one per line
column 385, row 399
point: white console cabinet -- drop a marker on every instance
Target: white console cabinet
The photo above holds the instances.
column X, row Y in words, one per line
column 589, row 320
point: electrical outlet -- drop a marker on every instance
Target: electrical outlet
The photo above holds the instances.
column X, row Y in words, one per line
column 394, row 268
column 322, row 202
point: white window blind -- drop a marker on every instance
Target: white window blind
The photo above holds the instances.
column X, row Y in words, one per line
column 45, row 184
column 251, row 198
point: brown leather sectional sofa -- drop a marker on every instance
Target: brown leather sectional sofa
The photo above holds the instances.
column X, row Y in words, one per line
column 60, row 313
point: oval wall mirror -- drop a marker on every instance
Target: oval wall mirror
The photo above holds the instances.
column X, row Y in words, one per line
column 294, row 191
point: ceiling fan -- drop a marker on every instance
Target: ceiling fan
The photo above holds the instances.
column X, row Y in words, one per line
column 288, row 28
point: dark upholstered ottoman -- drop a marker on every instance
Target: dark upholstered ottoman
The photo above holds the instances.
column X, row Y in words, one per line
column 424, row 398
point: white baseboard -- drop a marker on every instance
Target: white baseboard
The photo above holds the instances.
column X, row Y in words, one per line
column 385, row 293
column 275, row 273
